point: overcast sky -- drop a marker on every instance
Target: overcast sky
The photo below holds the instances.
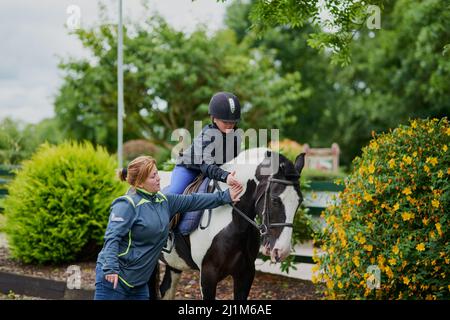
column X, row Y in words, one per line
column 33, row 35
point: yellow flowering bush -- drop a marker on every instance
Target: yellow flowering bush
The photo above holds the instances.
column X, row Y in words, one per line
column 392, row 224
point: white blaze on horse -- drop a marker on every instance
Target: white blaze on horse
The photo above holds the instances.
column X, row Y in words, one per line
column 231, row 242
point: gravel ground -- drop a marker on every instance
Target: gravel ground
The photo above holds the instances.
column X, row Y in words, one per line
column 265, row 286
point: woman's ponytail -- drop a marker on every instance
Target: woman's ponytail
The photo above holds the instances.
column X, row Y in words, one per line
column 122, row 174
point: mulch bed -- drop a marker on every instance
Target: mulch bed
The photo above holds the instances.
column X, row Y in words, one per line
column 265, row 286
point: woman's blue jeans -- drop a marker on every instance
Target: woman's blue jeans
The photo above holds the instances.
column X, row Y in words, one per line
column 104, row 289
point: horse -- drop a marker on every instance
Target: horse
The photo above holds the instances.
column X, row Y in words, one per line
column 232, row 240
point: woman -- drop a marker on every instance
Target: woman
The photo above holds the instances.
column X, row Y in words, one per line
column 138, row 228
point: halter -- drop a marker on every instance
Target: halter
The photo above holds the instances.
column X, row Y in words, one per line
column 266, row 225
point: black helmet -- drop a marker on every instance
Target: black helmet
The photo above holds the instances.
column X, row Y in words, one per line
column 225, row 106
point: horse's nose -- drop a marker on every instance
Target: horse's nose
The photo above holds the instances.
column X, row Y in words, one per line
column 277, row 257
column 274, row 256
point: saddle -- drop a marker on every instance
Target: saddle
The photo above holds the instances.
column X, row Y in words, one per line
column 185, row 223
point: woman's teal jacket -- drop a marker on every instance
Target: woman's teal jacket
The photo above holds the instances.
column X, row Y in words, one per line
column 138, row 228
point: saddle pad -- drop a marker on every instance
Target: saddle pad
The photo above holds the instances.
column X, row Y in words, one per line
column 190, row 220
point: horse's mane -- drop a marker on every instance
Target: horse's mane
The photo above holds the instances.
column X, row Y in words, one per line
column 246, row 163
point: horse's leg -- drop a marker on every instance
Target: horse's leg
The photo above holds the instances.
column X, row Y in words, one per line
column 153, row 284
column 168, row 287
column 208, row 283
column 242, row 282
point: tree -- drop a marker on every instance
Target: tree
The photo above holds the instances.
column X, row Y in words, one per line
column 169, row 78
column 292, row 53
column 336, row 32
column 399, row 72
column 19, row 140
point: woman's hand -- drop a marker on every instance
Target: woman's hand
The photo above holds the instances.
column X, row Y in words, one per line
column 232, row 181
column 235, row 192
column 113, row 278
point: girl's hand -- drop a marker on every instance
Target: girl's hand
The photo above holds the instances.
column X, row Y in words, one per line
column 232, row 181
column 235, row 192
column 113, row 278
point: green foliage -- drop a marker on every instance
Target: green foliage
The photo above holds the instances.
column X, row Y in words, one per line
column 393, row 215
column 305, row 227
column 397, row 73
column 169, row 78
column 336, row 32
column 12, row 142
column 57, row 208
column 18, row 141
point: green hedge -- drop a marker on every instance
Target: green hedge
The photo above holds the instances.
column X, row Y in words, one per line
column 57, row 208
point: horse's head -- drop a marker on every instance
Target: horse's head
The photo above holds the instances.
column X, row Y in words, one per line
column 278, row 197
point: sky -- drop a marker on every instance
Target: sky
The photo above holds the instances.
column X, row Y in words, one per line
column 35, row 37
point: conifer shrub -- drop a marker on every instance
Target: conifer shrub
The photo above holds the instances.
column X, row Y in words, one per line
column 58, row 204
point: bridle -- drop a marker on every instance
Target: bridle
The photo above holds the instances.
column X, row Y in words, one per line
column 266, row 224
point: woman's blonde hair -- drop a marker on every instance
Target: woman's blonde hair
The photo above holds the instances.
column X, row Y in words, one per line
column 137, row 171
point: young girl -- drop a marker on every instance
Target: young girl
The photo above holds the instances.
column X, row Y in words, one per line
column 225, row 112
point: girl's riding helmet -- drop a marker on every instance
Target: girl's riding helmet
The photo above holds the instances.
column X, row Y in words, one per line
column 225, row 106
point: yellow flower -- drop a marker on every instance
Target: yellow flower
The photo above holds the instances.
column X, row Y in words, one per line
column 438, row 228
column 407, row 159
column 406, row 280
column 425, row 221
column 389, row 272
column 395, row 207
column 426, row 168
column 435, row 203
column 440, row 174
column 367, row 197
column 395, row 249
column 338, row 271
column 391, row 163
column 445, row 148
column 407, row 216
column 448, row 131
column 392, row 261
column 407, row 191
column 355, row 260
column 448, row 171
column 368, row 247
column 432, row 160
column 420, row 247
column 414, row 124
column 371, row 168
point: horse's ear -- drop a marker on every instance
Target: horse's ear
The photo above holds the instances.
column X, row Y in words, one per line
column 268, row 154
column 299, row 162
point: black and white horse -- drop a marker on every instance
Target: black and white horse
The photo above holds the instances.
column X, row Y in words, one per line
column 231, row 242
